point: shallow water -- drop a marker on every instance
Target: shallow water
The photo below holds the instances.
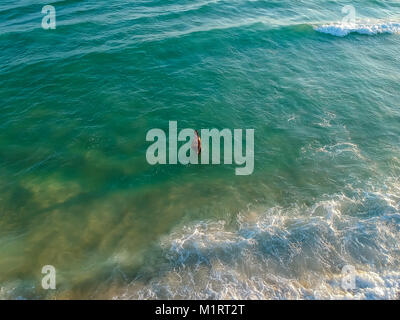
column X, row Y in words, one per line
column 77, row 193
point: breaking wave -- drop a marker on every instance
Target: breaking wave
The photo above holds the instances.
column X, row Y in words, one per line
column 292, row 253
column 342, row 29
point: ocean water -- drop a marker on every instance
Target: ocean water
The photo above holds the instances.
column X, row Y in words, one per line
column 77, row 193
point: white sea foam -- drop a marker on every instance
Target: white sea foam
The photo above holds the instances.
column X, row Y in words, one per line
column 342, row 29
column 340, row 148
column 292, row 253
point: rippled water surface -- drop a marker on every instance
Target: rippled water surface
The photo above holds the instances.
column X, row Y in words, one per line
column 77, row 193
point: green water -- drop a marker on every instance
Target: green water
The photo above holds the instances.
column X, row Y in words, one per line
column 77, row 193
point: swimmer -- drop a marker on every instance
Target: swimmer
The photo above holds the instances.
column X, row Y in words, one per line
column 197, row 142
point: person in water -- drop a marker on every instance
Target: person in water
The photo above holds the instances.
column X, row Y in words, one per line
column 197, row 141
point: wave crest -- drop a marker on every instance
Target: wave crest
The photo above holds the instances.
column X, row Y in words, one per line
column 342, row 29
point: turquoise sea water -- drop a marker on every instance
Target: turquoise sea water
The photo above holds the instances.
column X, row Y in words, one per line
column 77, row 193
